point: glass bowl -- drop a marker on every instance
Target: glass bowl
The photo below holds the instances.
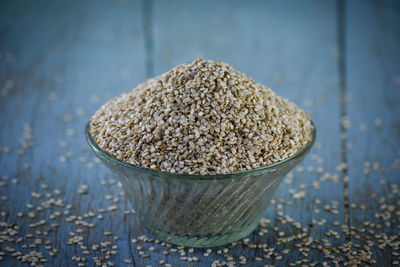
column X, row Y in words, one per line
column 199, row 210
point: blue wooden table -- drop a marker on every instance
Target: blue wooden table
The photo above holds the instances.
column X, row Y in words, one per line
column 60, row 60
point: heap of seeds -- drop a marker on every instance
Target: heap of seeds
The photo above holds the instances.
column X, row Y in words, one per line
column 202, row 117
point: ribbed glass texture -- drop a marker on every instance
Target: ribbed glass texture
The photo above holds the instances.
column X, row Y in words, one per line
column 196, row 210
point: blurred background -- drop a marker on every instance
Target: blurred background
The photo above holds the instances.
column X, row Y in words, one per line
column 122, row 43
column 60, row 60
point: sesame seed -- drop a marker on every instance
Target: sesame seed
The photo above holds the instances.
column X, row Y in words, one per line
column 217, row 101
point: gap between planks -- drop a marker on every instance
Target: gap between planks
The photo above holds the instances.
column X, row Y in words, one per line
column 341, row 37
column 148, row 36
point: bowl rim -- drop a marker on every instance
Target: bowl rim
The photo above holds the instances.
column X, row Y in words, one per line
column 102, row 154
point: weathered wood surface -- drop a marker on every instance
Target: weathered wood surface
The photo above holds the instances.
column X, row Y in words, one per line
column 373, row 87
column 60, row 60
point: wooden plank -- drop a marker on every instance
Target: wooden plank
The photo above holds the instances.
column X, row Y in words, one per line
column 68, row 58
column 291, row 48
column 372, row 78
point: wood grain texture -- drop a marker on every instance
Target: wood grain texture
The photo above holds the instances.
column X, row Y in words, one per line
column 67, row 57
column 59, row 61
column 372, row 72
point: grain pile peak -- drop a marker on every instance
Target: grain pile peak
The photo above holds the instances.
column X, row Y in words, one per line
column 201, row 117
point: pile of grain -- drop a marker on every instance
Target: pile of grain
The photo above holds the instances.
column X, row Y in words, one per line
column 202, row 117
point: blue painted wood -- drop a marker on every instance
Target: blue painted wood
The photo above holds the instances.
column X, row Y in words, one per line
column 68, row 59
column 372, row 72
column 59, row 61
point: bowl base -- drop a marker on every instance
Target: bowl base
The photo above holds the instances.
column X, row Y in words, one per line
column 203, row 241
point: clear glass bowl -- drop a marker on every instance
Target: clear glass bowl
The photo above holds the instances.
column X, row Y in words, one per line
column 199, row 210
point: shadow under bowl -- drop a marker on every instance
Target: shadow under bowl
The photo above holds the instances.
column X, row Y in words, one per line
column 199, row 210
